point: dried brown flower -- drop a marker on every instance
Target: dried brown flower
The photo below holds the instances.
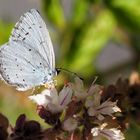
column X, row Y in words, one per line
column 26, row 130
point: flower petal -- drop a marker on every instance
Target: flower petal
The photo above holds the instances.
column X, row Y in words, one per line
column 54, row 108
column 108, row 108
column 65, row 96
column 110, row 134
column 89, row 102
column 70, row 124
column 42, row 98
column 100, row 117
column 94, row 88
column 92, row 111
column 79, row 83
column 95, row 131
column 54, row 96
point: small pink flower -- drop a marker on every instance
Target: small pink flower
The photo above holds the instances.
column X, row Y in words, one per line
column 43, row 98
column 110, row 134
column 79, row 90
column 106, row 108
column 54, row 101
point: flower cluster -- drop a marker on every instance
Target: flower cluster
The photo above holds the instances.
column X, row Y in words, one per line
column 78, row 111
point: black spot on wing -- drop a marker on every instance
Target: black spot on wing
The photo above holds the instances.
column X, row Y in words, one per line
column 23, row 39
column 16, row 75
column 42, row 42
column 27, row 33
column 38, row 11
column 18, row 36
column 24, row 15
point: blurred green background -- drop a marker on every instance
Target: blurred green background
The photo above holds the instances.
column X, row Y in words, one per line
column 90, row 37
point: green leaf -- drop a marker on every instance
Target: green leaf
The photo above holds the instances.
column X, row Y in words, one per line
column 127, row 12
column 54, row 13
column 5, row 29
column 80, row 11
column 89, row 44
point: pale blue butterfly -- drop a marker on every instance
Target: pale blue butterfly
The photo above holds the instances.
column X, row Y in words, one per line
column 28, row 60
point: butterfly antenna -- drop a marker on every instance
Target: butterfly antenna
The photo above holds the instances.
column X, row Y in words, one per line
column 65, row 70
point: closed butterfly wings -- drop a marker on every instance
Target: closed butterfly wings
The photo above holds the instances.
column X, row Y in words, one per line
column 31, row 29
column 27, row 60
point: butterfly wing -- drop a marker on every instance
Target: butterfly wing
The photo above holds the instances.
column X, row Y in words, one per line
column 1, row 77
column 31, row 29
column 28, row 59
column 21, row 65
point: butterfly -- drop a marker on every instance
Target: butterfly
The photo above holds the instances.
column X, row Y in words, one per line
column 28, row 59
